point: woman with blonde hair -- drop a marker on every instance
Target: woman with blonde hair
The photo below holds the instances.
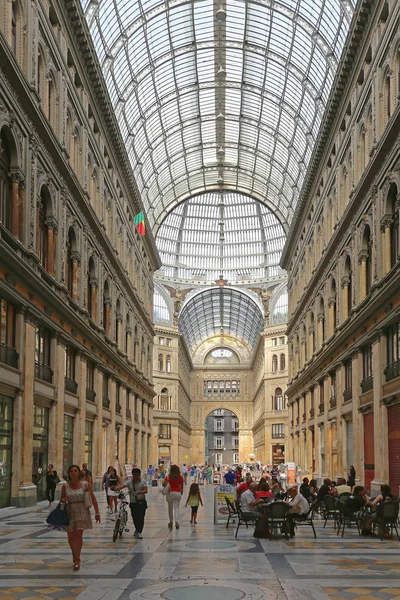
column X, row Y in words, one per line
column 175, row 481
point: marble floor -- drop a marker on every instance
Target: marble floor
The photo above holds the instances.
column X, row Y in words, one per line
column 202, row 562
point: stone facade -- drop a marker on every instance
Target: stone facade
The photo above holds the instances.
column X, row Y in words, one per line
column 75, row 277
column 342, row 258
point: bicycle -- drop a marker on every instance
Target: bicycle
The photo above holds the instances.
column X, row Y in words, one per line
column 121, row 519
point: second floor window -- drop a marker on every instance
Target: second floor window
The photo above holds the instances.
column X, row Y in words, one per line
column 42, row 346
column 392, row 344
column 278, row 430
column 348, row 374
column 70, row 363
column 367, row 361
column 218, row 442
column 7, row 323
column 219, row 425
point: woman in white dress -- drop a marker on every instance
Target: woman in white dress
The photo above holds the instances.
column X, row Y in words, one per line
column 113, row 482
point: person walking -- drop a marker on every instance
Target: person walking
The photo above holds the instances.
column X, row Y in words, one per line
column 51, row 483
column 86, row 475
column 104, row 485
column 137, row 487
column 184, row 473
column 74, row 492
column 175, row 481
column 113, row 482
column 193, row 500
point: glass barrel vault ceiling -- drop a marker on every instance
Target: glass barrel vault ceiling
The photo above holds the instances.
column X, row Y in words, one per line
column 216, row 233
column 220, row 311
column 206, row 103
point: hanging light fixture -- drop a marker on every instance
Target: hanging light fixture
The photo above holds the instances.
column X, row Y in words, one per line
column 220, row 15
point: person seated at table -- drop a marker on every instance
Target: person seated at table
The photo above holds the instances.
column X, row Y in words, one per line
column 244, row 486
column 385, row 496
column 298, row 507
column 262, row 480
column 305, row 488
column 341, row 486
column 249, row 502
column 275, row 486
column 263, row 491
column 327, row 488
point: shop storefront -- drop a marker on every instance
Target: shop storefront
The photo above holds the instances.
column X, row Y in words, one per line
column 68, row 447
column 88, row 444
column 6, row 415
column 278, row 454
column 40, row 449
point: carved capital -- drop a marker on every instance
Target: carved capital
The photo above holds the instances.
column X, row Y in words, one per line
column 386, row 222
column 363, row 256
column 345, row 281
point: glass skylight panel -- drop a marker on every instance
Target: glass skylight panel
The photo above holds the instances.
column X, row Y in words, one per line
column 157, row 55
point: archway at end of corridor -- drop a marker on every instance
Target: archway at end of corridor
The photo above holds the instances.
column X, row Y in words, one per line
column 221, row 438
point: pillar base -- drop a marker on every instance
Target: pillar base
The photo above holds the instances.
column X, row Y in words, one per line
column 27, row 496
column 376, row 487
column 97, row 479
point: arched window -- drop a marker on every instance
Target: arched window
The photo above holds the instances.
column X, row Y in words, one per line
column 128, row 337
column 106, row 308
column 164, row 400
column 333, row 307
column 71, row 262
column 168, row 364
column 321, row 321
column 367, row 257
column 386, row 100
column 118, row 322
column 349, row 289
column 41, row 76
column 282, row 362
column 76, row 154
column 42, row 232
column 312, row 332
column 91, row 288
column 274, row 363
column 160, row 362
column 5, row 180
column 52, row 112
column 278, row 403
column 394, row 224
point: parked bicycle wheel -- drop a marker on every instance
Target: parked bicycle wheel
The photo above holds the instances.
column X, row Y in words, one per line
column 116, row 529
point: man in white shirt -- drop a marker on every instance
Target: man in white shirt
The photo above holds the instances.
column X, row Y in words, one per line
column 341, row 486
column 248, row 501
column 298, row 506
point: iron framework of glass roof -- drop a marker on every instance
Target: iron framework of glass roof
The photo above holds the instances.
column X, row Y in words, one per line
column 219, row 311
column 221, row 233
column 212, row 95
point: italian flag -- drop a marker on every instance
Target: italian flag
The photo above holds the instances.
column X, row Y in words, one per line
column 139, row 222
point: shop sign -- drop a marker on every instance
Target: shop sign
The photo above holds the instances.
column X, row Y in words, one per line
column 220, row 507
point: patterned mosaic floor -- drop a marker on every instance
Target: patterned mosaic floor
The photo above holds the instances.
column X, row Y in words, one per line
column 205, row 562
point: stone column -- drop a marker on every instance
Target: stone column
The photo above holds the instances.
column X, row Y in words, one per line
column 56, row 420
column 21, row 210
column 51, row 247
column 107, row 324
column 26, row 494
column 93, row 307
column 381, row 447
column 386, row 224
column 15, row 204
column 120, row 332
column 320, row 329
column 331, row 313
column 80, row 415
column 362, row 261
column 339, row 421
column 98, row 467
column 111, row 427
column 345, row 298
column 76, row 276
column 357, row 417
column 311, row 337
column 122, row 440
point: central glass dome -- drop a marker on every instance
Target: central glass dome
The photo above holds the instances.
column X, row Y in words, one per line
column 221, row 233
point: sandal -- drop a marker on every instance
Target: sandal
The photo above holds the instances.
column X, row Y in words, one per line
column 177, row 525
column 170, row 525
column 77, row 567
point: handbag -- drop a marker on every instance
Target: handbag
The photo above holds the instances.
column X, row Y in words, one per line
column 58, row 518
column 88, row 499
column 166, row 490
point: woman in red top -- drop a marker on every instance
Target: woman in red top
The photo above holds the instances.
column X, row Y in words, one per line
column 264, row 492
column 175, row 481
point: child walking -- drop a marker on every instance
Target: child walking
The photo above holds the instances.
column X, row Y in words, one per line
column 193, row 500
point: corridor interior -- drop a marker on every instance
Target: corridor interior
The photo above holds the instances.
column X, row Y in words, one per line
column 202, row 562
